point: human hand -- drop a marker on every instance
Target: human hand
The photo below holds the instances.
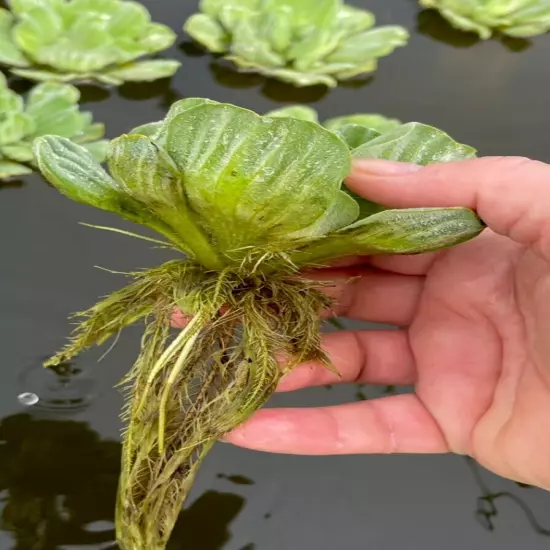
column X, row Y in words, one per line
column 474, row 337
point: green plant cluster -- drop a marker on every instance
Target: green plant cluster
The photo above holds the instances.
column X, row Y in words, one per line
column 49, row 108
column 516, row 18
column 304, row 42
column 250, row 200
column 83, row 40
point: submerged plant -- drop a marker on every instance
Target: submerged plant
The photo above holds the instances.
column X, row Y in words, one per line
column 249, row 201
column 373, row 121
column 304, row 42
column 517, row 18
column 83, row 40
column 50, row 108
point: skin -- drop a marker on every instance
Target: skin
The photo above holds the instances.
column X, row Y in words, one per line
column 474, row 336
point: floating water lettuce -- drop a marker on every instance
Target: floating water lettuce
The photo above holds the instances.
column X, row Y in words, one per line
column 248, row 201
column 83, row 40
column 304, row 42
column 517, row 18
column 50, row 108
column 376, row 122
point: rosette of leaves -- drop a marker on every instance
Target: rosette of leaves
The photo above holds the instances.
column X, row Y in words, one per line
column 83, row 40
column 50, row 108
column 517, row 18
column 248, row 201
column 304, row 42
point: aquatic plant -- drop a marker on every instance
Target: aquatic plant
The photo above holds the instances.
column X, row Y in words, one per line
column 374, row 121
column 50, row 108
column 83, row 40
column 304, row 42
column 517, row 18
column 249, row 201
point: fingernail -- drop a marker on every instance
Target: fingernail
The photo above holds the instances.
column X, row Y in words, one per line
column 379, row 167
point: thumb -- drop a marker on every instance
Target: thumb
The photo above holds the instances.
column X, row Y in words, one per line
column 510, row 194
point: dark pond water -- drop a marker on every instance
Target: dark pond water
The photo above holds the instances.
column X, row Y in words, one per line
column 58, row 469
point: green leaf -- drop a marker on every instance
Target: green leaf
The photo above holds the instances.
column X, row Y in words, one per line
column 250, row 179
column 10, row 54
column 158, row 37
column 14, row 126
column 208, row 32
column 10, row 101
column 342, row 212
column 42, row 75
column 150, row 129
column 12, row 169
column 415, row 143
column 248, row 45
column 352, row 20
column 128, row 18
column 146, row 71
column 19, row 152
column 300, row 112
column 146, row 173
column 98, row 149
column 409, row 231
column 91, row 132
column 376, row 122
column 368, row 45
column 37, row 28
column 355, row 135
column 72, row 170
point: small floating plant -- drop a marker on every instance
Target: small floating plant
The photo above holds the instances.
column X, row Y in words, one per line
column 247, row 202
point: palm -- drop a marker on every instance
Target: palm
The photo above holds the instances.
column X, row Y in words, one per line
column 479, row 342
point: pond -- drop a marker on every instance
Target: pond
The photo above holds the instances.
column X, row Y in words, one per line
column 59, row 458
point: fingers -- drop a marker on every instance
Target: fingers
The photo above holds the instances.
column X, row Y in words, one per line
column 373, row 357
column 397, row 424
column 511, row 194
column 371, row 295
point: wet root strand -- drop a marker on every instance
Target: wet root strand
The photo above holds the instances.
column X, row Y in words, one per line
column 188, row 390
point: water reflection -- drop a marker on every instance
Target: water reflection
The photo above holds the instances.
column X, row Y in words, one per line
column 161, row 89
column 93, row 93
column 282, row 92
column 57, row 478
column 58, row 483
column 236, row 479
column 11, row 184
column 431, row 23
column 487, row 508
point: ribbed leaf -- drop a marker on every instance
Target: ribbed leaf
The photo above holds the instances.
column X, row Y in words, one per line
column 9, row 102
column 129, row 18
column 156, row 38
column 37, row 28
column 355, row 135
column 409, row 231
column 253, row 179
column 415, row 143
column 208, row 32
column 10, row 54
column 19, row 152
column 12, row 169
column 42, row 75
column 376, row 122
column 15, row 126
column 300, row 112
column 98, row 149
column 146, row 173
column 145, row 71
column 73, row 171
column 368, row 45
column 343, row 212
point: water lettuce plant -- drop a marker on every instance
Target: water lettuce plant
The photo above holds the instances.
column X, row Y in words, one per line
column 248, row 201
column 50, row 108
column 517, row 18
column 373, row 121
column 83, row 40
column 304, row 42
